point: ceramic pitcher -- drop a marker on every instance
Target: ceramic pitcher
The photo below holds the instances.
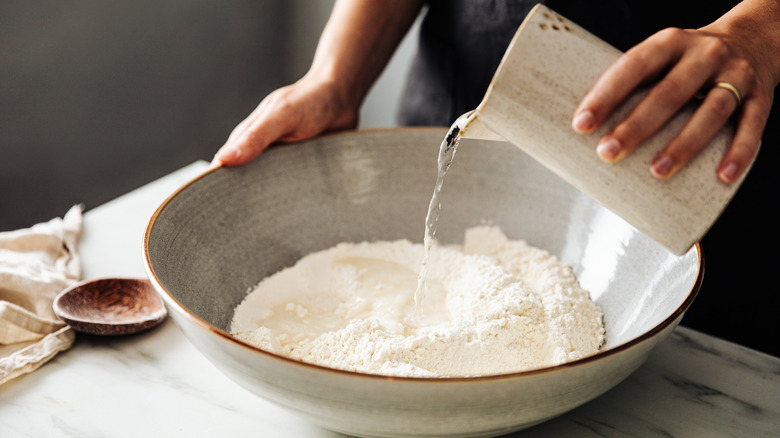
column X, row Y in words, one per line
column 548, row 68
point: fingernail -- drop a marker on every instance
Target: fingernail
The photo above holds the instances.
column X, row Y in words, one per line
column 583, row 122
column 661, row 166
column 729, row 173
column 608, row 149
column 228, row 154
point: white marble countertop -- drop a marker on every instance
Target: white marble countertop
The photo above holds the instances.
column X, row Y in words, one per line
column 158, row 384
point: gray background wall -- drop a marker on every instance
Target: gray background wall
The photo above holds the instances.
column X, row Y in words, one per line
column 98, row 98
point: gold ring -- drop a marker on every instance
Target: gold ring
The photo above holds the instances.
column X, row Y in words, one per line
column 732, row 89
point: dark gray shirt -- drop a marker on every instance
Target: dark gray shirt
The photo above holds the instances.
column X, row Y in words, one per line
column 463, row 41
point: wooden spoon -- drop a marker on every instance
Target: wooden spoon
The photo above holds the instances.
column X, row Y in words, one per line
column 111, row 306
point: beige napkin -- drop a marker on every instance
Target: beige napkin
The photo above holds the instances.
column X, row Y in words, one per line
column 35, row 265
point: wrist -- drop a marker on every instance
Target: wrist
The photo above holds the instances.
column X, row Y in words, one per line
column 336, row 105
column 754, row 26
column 342, row 82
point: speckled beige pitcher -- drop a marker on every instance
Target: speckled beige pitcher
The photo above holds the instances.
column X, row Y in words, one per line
column 548, row 68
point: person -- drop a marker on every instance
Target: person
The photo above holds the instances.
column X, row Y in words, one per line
column 727, row 51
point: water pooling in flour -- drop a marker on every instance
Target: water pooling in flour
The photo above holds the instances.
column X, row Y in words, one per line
column 492, row 305
column 446, row 154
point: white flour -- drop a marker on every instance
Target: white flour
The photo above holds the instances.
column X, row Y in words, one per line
column 492, row 306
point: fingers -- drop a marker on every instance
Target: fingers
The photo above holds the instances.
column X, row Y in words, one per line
column 747, row 139
column 640, row 64
column 716, row 108
column 692, row 61
column 292, row 113
column 655, row 110
column 254, row 134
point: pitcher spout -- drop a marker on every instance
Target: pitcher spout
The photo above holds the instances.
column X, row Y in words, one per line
column 471, row 127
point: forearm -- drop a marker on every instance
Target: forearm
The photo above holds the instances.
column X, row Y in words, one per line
column 358, row 41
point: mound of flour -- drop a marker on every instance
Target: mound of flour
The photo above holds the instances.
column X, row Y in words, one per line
column 491, row 306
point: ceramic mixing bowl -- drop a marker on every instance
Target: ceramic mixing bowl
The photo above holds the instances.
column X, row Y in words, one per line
column 228, row 229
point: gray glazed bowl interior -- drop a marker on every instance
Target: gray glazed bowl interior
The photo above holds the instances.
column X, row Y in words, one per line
column 227, row 230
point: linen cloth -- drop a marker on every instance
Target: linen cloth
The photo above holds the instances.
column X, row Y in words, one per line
column 36, row 264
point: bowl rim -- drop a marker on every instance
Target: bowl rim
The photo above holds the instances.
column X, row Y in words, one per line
column 198, row 321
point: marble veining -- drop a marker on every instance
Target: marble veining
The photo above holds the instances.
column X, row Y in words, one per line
column 157, row 384
column 692, row 385
column 760, row 365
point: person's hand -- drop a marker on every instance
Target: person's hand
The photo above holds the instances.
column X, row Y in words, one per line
column 296, row 112
column 709, row 60
column 354, row 47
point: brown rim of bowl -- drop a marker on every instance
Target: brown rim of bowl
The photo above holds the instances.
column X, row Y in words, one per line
column 171, row 301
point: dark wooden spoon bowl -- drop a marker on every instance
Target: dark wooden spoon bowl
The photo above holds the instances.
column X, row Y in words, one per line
column 111, row 306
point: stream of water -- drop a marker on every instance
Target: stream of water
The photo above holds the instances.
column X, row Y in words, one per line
column 446, row 154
